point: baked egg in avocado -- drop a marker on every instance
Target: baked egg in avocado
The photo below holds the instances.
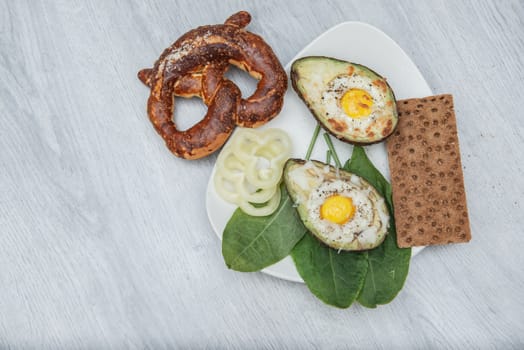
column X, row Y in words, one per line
column 351, row 101
column 340, row 208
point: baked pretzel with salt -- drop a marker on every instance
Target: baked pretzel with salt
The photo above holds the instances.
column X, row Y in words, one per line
column 195, row 66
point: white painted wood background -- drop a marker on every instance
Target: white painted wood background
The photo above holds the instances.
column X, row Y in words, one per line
column 104, row 240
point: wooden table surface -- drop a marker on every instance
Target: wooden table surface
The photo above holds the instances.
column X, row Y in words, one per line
column 104, row 238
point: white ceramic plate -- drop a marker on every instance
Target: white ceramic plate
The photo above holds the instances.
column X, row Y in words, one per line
column 352, row 41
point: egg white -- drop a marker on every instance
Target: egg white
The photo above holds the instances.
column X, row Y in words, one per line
column 370, row 219
column 337, row 87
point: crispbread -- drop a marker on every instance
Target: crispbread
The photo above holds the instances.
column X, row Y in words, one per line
column 426, row 174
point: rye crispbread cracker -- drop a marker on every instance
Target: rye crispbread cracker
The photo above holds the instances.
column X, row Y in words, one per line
column 426, row 174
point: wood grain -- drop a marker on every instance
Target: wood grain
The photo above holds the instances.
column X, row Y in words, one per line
column 104, row 239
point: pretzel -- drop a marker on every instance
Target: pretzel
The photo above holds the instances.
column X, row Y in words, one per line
column 195, row 66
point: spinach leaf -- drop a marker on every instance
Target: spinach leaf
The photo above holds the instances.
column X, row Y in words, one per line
column 388, row 264
column 334, row 277
column 360, row 165
column 251, row 243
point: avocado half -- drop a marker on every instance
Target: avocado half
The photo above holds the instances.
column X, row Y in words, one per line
column 313, row 76
column 310, row 183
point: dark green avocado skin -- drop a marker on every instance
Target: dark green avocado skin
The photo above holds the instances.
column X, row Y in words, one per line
column 296, row 75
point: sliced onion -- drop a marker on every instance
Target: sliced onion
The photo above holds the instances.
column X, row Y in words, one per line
column 239, row 178
column 266, row 210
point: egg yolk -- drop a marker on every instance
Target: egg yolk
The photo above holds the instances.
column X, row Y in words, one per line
column 356, row 103
column 337, row 209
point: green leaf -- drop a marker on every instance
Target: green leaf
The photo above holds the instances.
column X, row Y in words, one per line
column 251, row 243
column 388, row 264
column 359, row 164
column 334, row 277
